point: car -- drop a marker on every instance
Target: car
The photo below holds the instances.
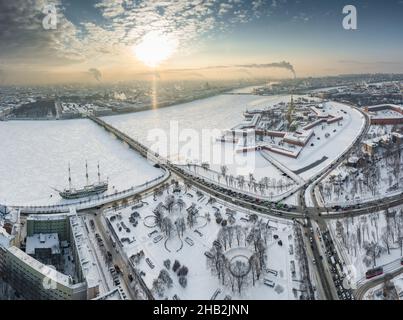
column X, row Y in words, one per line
column 269, row 283
column 158, row 238
column 117, row 268
column 374, row 272
column 150, row 264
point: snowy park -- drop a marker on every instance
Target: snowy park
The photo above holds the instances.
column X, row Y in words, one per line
column 369, row 241
column 365, row 177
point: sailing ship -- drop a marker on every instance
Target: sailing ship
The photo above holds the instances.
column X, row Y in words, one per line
column 87, row 190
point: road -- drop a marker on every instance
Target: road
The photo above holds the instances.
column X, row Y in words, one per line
column 362, row 290
column 311, row 216
column 118, row 257
column 314, row 215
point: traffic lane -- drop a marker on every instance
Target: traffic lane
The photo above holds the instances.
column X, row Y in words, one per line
column 360, row 292
column 362, row 211
column 116, row 256
column 318, row 265
column 231, row 198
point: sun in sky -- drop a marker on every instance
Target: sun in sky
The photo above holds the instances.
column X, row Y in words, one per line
column 155, row 48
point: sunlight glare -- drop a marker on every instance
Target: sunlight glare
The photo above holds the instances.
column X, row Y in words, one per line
column 155, row 48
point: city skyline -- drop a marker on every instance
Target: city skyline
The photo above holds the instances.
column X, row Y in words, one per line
column 113, row 41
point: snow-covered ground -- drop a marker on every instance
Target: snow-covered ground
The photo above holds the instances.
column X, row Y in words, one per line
column 189, row 131
column 35, row 157
column 267, row 180
column 376, row 293
column 331, row 147
column 355, row 186
column 189, row 249
column 181, row 130
column 348, row 185
column 359, row 237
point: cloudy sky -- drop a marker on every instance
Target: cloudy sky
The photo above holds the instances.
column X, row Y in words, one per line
column 106, row 40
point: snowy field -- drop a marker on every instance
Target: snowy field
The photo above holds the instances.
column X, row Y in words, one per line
column 35, row 157
column 191, row 238
column 359, row 238
column 331, row 147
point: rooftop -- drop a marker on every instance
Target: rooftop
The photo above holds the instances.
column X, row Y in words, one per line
column 43, row 241
column 48, row 271
column 85, row 253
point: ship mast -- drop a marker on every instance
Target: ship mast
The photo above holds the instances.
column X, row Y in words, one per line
column 99, row 174
column 69, row 177
column 86, row 171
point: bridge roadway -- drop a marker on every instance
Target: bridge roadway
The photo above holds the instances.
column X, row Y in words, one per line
column 237, row 198
column 96, row 202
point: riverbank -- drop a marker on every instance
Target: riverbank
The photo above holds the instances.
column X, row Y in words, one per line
column 239, row 90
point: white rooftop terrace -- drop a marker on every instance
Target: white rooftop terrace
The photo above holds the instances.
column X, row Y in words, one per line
column 86, row 256
column 43, row 241
column 47, row 271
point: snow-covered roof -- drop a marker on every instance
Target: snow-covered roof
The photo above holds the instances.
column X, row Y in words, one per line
column 47, row 217
column 299, row 136
column 114, row 294
column 353, row 159
column 397, row 135
column 47, row 271
column 85, row 254
column 5, row 238
column 376, row 140
column 43, row 241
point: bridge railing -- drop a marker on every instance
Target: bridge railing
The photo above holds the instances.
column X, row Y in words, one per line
column 95, row 201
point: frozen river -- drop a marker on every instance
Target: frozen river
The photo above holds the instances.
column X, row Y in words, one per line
column 218, row 112
column 34, row 159
column 188, row 131
column 175, row 125
column 35, row 154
